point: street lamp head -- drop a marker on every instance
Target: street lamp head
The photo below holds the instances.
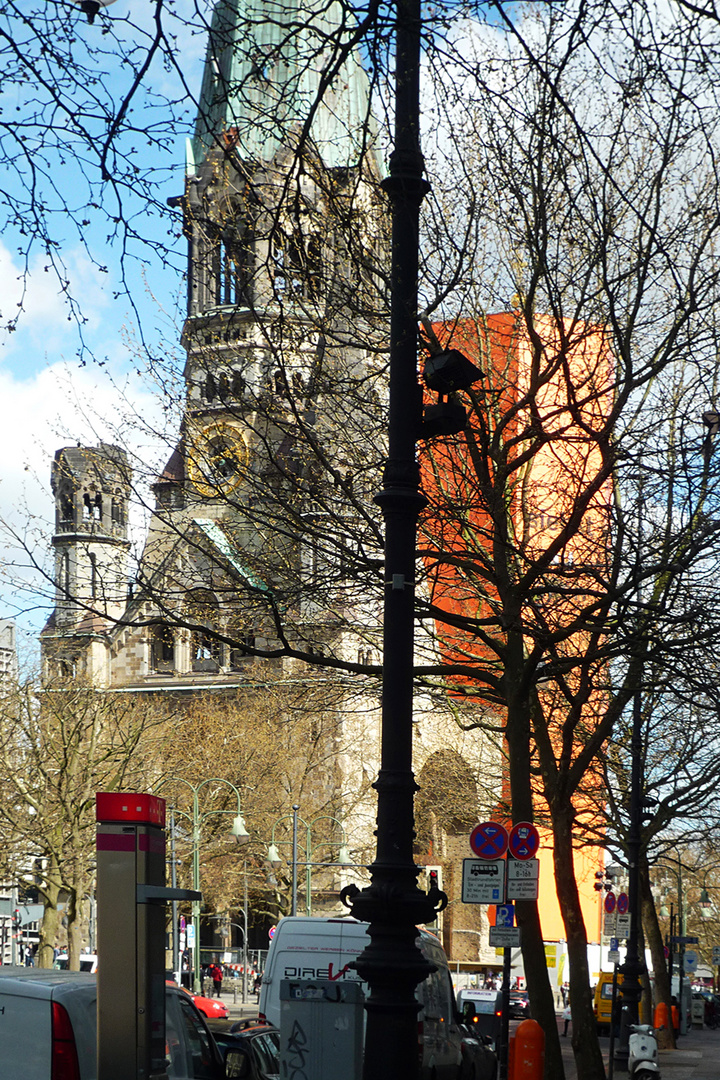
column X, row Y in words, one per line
column 239, row 831
column 344, row 856
column 449, row 371
column 274, row 856
column 91, row 7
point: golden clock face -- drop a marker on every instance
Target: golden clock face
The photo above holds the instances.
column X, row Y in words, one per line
column 217, row 459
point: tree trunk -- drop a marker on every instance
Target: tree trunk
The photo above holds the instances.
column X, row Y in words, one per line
column 74, row 930
column 590, row 1065
column 50, row 893
column 542, row 1002
column 665, row 1036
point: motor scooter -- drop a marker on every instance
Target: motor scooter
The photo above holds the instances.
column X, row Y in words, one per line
column 643, row 1053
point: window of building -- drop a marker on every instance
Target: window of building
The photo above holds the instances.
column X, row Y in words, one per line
column 206, row 651
column 117, row 511
column 67, row 506
column 93, row 575
column 297, row 264
column 163, row 647
column 231, row 267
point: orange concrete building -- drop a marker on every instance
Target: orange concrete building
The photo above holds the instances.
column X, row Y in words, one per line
column 524, row 493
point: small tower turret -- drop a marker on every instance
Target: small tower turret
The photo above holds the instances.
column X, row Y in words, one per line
column 91, row 486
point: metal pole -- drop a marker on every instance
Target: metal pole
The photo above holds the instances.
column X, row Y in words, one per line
column 173, row 882
column 393, row 905
column 293, row 906
column 245, row 933
column 505, row 1018
column 632, row 969
column 197, row 982
column 681, row 950
column 308, row 871
column 13, row 934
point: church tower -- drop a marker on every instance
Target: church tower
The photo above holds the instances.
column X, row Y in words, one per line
column 91, row 486
column 281, row 211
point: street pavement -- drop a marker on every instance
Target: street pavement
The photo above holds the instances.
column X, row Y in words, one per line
column 697, row 1057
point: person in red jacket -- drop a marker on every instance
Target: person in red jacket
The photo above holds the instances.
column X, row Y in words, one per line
column 215, row 973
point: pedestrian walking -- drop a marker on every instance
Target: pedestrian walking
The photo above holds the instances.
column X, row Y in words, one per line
column 567, row 1017
column 215, row 973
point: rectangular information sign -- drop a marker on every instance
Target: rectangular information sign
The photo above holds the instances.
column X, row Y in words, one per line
column 523, row 879
column 622, row 926
column 483, row 881
column 505, row 937
column 609, row 924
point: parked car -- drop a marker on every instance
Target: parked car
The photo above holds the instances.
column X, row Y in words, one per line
column 259, row 1043
column 48, row 1029
column 88, row 962
column 519, row 1005
column 211, row 1008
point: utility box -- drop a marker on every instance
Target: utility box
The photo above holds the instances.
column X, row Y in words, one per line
column 131, row 936
column 698, row 1012
column 321, row 1029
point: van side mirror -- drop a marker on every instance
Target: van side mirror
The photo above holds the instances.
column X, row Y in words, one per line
column 237, row 1063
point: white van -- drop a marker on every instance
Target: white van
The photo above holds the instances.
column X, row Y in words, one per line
column 318, row 948
column 48, row 1029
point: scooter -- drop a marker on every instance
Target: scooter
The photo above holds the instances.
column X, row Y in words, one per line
column 643, row 1053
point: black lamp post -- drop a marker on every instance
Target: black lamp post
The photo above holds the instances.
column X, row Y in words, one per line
column 393, row 904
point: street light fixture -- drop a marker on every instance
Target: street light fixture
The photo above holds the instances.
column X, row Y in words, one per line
column 196, row 819
column 275, row 859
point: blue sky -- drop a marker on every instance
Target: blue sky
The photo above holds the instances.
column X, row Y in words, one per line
column 49, row 396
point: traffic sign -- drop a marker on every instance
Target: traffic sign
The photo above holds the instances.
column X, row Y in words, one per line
column 623, row 903
column 613, row 956
column 489, row 840
column 523, row 879
column 505, row 915
column 483, row 882
column 505, row 937
column 524, row 841
column 622, row 926
column 271, row 932
column 614, row 944
column 190, row 931
column 716, row 955
column 610, row 902
column 610, row 924
column 690, row 960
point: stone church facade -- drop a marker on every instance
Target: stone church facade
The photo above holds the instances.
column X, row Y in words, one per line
column 244, row 567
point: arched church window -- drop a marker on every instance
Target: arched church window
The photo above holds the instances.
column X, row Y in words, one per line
column 223, row 386
column 65, row 573
column 206, row 651
column 238, row 384
column 162, row 647
column 67, row 507
column 117, row 511
column 297, row 265
column 231, row 265
column 97, row 507
column 87, row 505
column 210, row 389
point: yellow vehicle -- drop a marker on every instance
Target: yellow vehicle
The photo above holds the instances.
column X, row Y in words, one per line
column 602, row 1003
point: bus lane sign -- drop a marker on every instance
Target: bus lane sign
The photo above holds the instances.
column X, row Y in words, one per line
column 483, row 881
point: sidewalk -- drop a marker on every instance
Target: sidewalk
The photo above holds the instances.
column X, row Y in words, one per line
column 697, row 1058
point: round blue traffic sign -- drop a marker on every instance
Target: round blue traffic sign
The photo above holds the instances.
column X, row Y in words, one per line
column 610, row 901
column 623, row 903
column 524, row 841
column 489, row 840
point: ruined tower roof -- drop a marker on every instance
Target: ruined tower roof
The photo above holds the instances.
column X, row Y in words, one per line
column 266, row 63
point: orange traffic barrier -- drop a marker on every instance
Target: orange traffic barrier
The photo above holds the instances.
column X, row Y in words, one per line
column 528, row 1059
column 661, row 1019
column 511, row 1056
column 675, row 1015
